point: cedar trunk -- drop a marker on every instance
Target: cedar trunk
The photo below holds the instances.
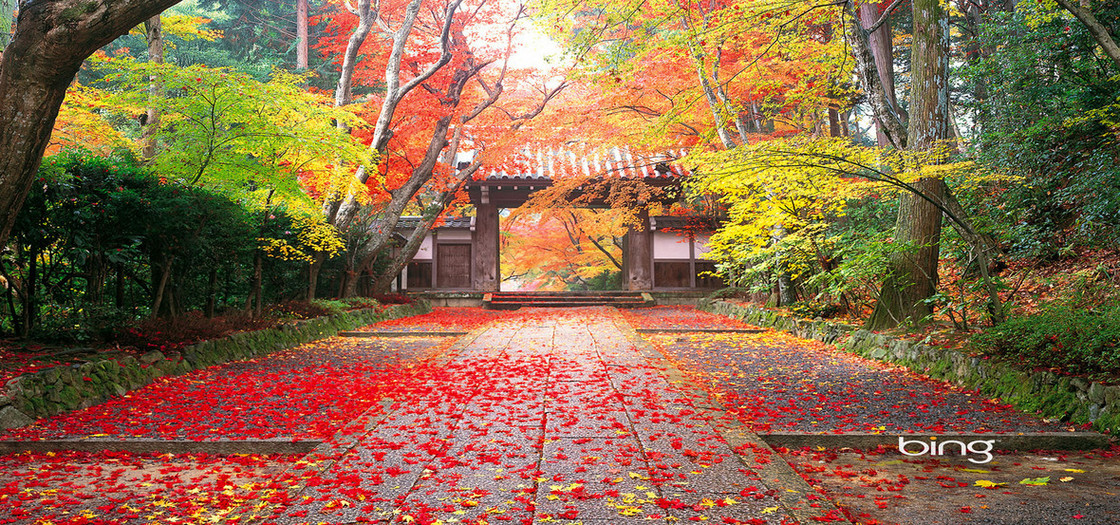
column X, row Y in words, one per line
column 913, row 274
column 301, row 35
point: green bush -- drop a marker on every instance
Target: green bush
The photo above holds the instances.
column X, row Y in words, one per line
column 813, row 310
column 358, row 303
column 308, row 310
column 82, row 324
column 1078, row 341
column 331, row 307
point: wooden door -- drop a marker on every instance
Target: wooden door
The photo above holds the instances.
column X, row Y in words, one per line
column 453, row 266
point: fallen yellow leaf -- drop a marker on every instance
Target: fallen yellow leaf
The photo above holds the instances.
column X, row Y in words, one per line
column 988, row 484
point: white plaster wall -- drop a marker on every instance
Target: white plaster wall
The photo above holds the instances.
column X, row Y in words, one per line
column 425, row 251
column 669, row 245
column 702, row 245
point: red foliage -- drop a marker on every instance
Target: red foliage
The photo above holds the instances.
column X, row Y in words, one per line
column 392, row 298
column 192, row 327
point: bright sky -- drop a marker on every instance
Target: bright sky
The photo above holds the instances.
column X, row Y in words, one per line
column 532, row 48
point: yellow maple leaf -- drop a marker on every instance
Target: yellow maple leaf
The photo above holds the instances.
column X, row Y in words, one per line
column 988, row 484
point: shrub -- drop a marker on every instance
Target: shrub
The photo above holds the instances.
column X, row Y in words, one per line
column 82, row 324
column 813, row 310
column 1078, row 341
column 731, row 292
column 192, row 327
column 392, row 298
column 308, row 310
column 358, row 303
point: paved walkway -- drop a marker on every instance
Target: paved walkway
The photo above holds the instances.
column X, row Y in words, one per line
column 545, row 416
column 558, row 419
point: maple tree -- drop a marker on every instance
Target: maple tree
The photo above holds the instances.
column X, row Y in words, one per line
column 440, row 81
column 563, row 248
column 687, row 73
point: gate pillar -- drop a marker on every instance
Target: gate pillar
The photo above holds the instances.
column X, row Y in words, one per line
column 487, row 274
column 638, row 255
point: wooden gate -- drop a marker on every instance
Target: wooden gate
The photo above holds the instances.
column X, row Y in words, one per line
column 453, row 266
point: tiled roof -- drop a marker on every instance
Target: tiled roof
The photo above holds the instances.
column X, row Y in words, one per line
column 409, row 222
column 549, row 163
column 676, row 222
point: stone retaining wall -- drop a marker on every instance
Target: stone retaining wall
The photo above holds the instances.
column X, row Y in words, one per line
column 58, row 389
column 1066, row 398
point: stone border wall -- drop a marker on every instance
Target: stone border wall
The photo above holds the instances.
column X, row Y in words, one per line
column 1066, row 398
column 58, row 389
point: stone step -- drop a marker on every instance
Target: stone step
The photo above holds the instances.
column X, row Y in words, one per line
column 515, row 300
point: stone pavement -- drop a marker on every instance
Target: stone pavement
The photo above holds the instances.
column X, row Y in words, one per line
column 555, row 416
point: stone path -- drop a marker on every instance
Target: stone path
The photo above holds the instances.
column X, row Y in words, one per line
column 543, row 416
column 559, row 419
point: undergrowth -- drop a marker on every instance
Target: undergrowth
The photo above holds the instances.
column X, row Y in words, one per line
column 1077, row 341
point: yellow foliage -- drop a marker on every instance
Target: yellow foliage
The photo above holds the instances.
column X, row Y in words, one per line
column 80, row 126
column 782, row 195
column 183, row 27
column 314, row 235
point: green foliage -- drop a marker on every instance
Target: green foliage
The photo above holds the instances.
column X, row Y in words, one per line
column 813, row 310
column 358, row 303
column 249, row 43
column 308, row 309
column 1050, row 116
column 608, row 280
column 97, row 234
column 82, row 324
column 222, row 129
column 1078, row 341
column 7, row 18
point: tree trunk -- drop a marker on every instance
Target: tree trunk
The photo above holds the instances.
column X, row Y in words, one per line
column 834, row 129
column 153, row 30
column 118, row 293
column 913, row 274
column 30, row 296
column 161, row 286
column 254, row 297
column 95, row 272
column 882, row 49
column 9, row 294
column 212, row 293
column 341, row 212
column 889, row 121
column 301, row 35
column 51, row 41
column 352, row 276
column 366, row 15
column 313, row 274
column 913, row 277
